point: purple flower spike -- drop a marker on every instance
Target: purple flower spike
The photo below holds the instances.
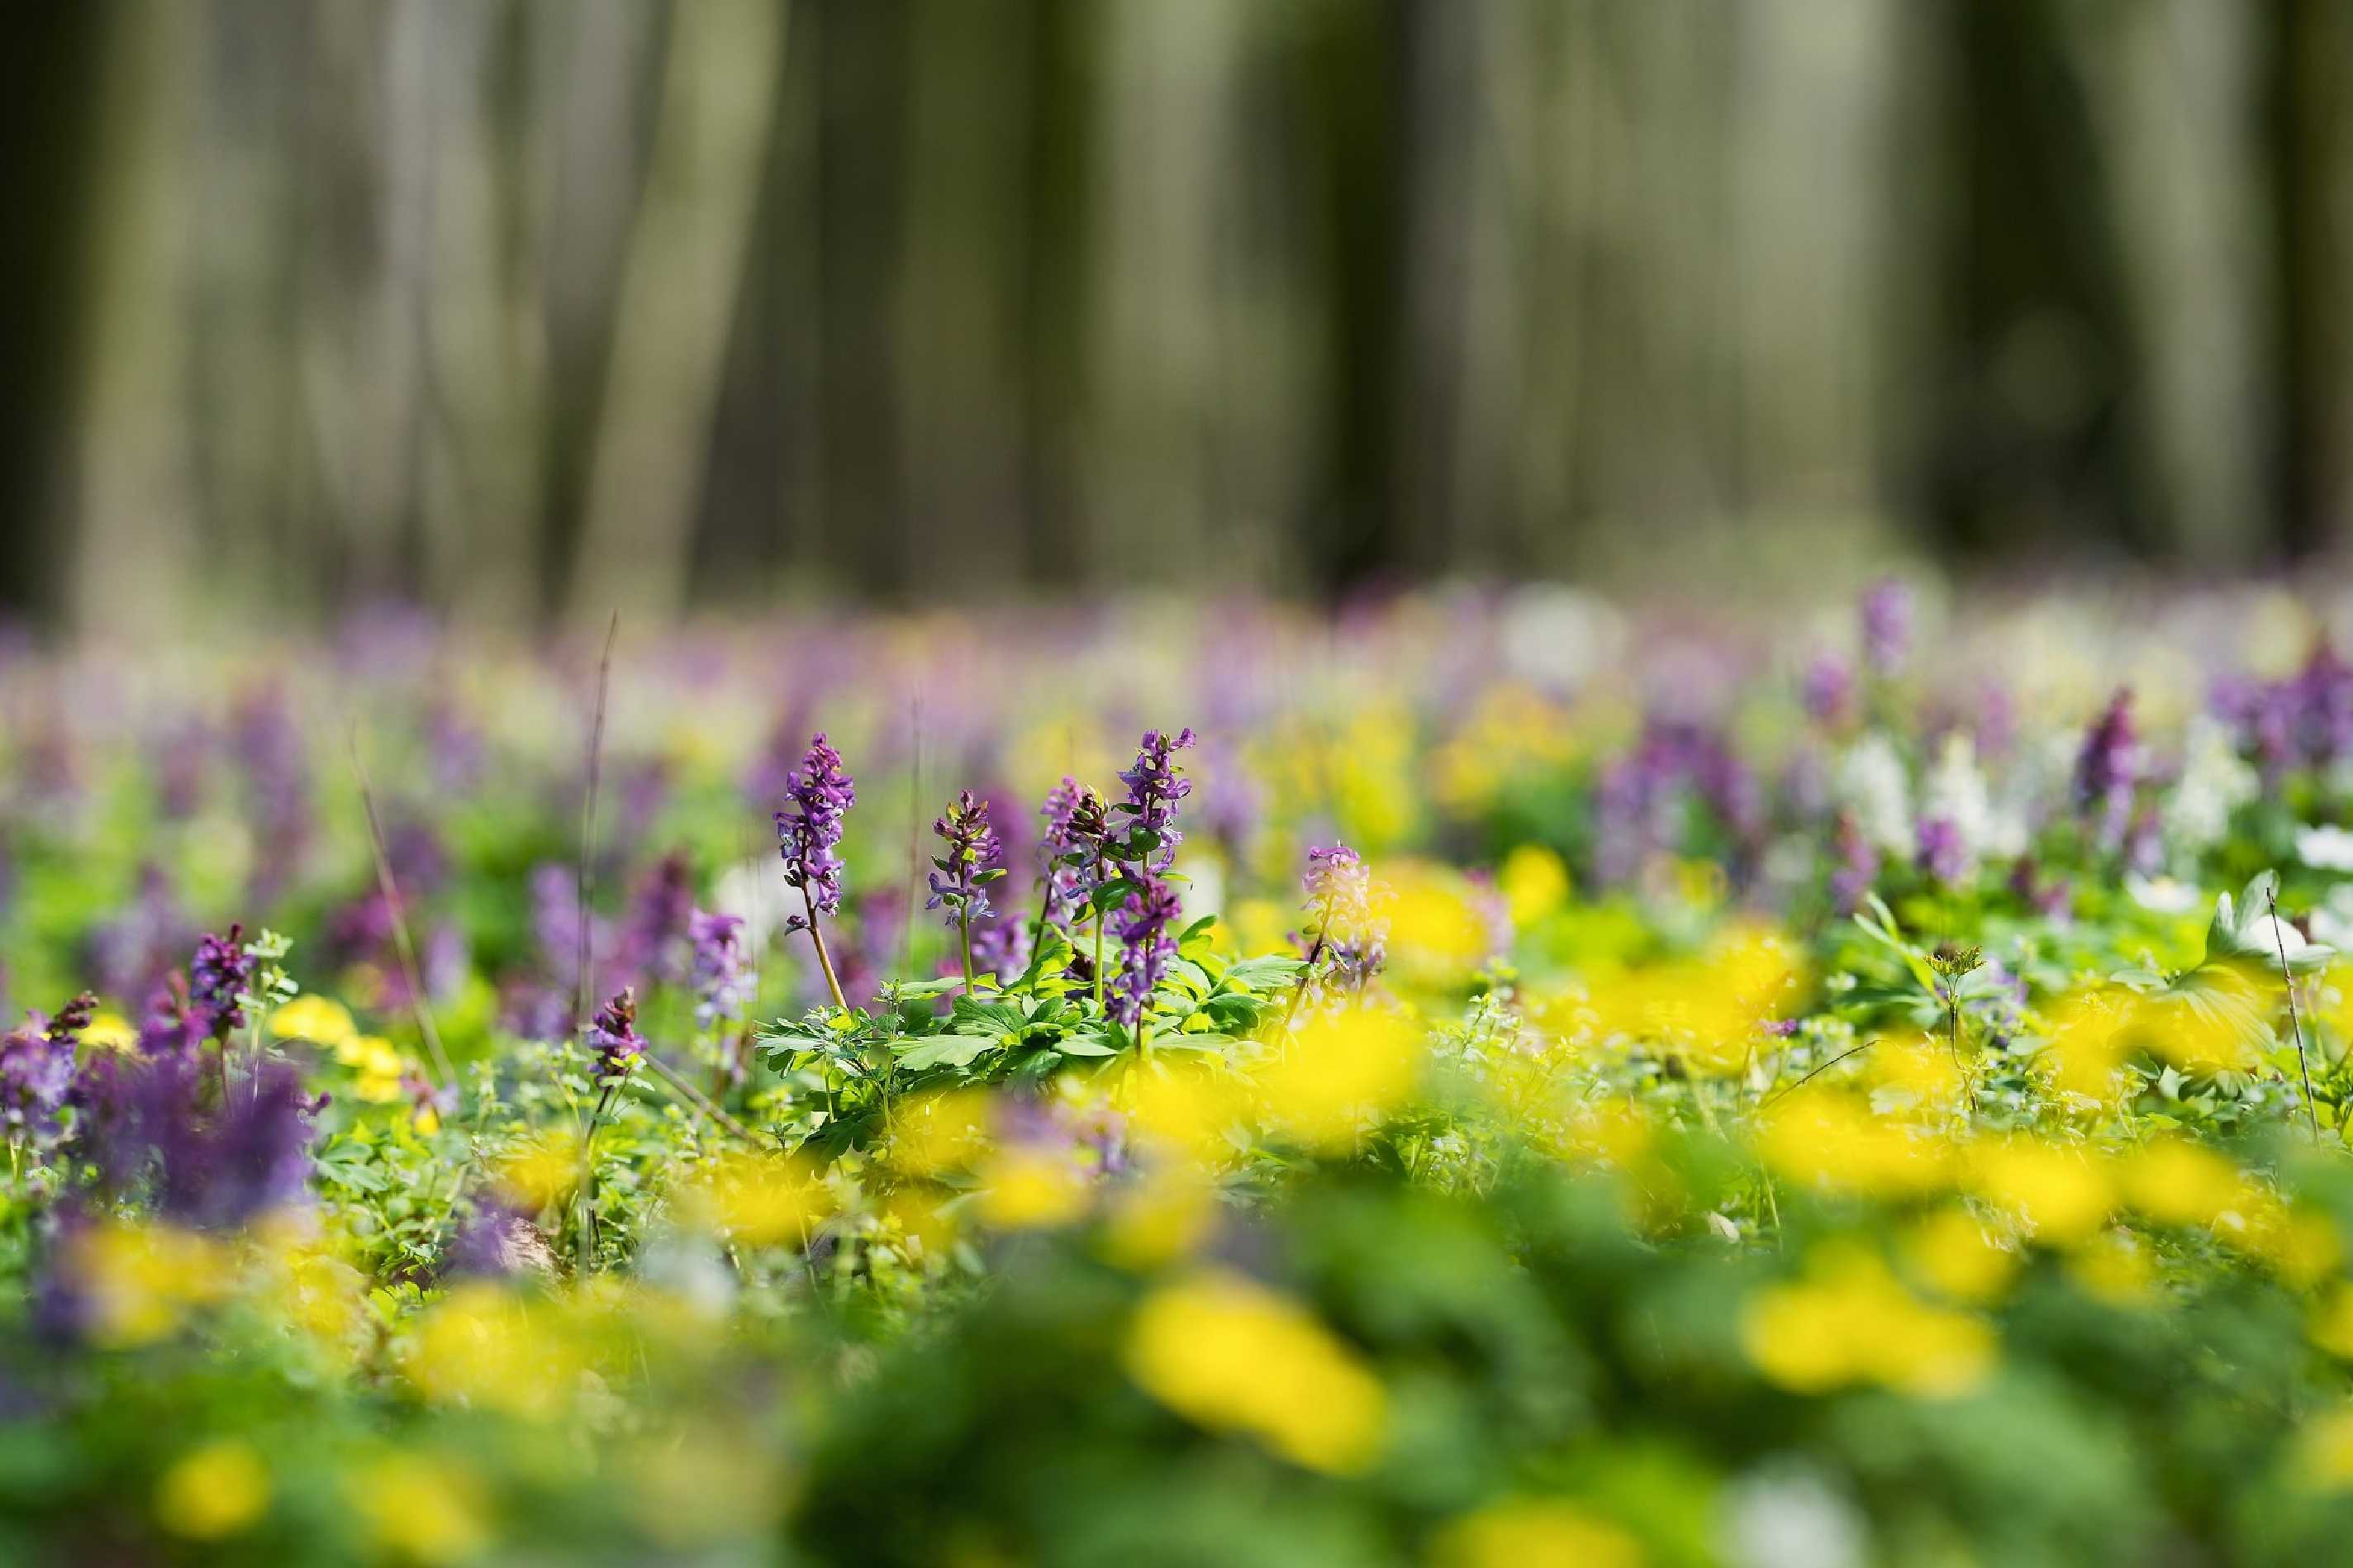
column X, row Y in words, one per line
column 1070, row 849
column 1145, row 947
column 809, row 830
column 1886, row 625
column 613, row 1036
column 973, row 859
column 217, row 977
column 2107, row 771
column 721, row 988
column 1154, row 785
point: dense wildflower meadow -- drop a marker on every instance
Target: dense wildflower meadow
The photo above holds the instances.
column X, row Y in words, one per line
column 1480, row 1081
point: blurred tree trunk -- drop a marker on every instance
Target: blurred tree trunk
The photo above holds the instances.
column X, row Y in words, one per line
column 2306, row 46
column 677, row 303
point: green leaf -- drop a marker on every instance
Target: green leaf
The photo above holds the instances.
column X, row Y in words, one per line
column 1271, row 973
column 1085, row 1046
column 945, row 1050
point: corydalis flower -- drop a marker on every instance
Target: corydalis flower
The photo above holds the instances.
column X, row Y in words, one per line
column 717, row 967
column 36, row 1065
column 612, row 1036
column 2108, row 770
column 1145, row 947
column 973, row 859
column 1154, row 785
column 1070, row 850
column 1350, row 938
column 1886, row 614
column 809, row 830
column 217, row 977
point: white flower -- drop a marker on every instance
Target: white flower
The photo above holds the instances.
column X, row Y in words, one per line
column 2215, row 782
column 1955, row 791
column 2325, row 849
column 1871, row 784
column 2161, row 895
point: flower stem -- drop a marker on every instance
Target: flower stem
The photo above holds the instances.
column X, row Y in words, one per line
column 824, row 959
column 2295, row 1020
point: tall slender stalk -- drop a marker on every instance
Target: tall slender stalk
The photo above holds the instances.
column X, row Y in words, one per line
column 2295, row 1020
column 586, row 882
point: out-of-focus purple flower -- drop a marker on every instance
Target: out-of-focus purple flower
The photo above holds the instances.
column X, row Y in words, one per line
column 1886, row 614
column 973, row 859
column 180, row 758
column 168, row 1030
column 1944, row 853
column 494, row 1242
column 218, row 1167
column 809, row 830
column 1145, row 947
column 1154, row 784
column 612, row 1038
column 1351, row 941
column 1001, row 948
column 1827, row 687
column 2107, row 772
column 720, row 985
column 2053, row 898
column 1855, row 865
column 36, row 1066
column 655, row 940
column 217, row 977
column 1070, row 849
column 268, row 741
column 1643, row 804
column 136, row 948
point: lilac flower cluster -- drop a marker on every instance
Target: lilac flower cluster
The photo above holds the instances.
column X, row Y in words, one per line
column 809, row 830
column 2108, row 772
column 721, row 987
column 217, row 978
column 1886, row 614
column 36, row 1066
column 1642, row 796
column 2304, row 719
column 1854, row 867
column 655, row 941
column 974, row 858
column 612, row 1038
column 1143, row 926
column 1351, row 940
column 1070, row 850
column 1154, row 785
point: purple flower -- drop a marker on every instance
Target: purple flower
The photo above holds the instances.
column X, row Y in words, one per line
column 720, row 986
column 612, row 1038
column 1349, row 938
column 2107, row 771
column 1887, row 613
column 1827, row 687
column 809, row 830
column 973, row 859
column 36, row 1066
column 1943, row 855
column 1001, row 948
column 1071, row 851
column 248, row 1154
column 1145, row 947
column 1154, row 785
column 217, row 977
column 1856, row 867
column 654, row 939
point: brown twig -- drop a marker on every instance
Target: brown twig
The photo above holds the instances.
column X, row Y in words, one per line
column 420, row 1005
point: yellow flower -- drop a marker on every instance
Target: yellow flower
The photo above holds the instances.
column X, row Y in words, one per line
column 481, row 1346
column 111, row 1031
column 1158, row 1220
column 2058, row 1193
column 213, row 1491
column 540, row 1171
column 2331, row 1325
column 1534, row 880
column 419, row 1508
column 1340, row 1071
column 2176, row 1182
column 1184, row 1112
column 314, row 1018
column 758, row 1199
column 2324, row 1451
column 2114, row 1267
column 1030, row 1189
column 141, row 1280
column 1848, row 1321
column 1232, row 1355
column 940, row 1132
column 1950, row 1251
column 1831, row 1140
column 1533, row 1533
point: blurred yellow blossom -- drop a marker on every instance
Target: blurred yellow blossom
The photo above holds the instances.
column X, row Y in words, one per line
column 2115, row 1266
column 1157, row 1220
column 2324, row 1451
column 2176, row 1182
column 939, row 1132
column 1534, row 880
column 541, row 1170
column 139, row 1281
column 2060, row 1194
column 1025, row 1188
column 1533, row 1533
column 1950, row 1251
column 483, row 1345
column 1232, row 1355
column 111, row 1031
column 419, row 1508
column 1848, row 1321
column 213, row 1491
column 1339, row 1071
column 314, row 1018
column 755, row 1197
column 1830, row 1140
